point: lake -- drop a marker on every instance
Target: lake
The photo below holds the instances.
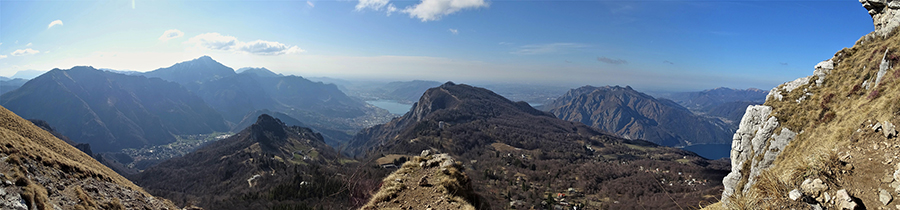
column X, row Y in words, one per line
column 392, row 106
column 711, row 151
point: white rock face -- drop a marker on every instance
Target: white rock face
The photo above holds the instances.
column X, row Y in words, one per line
column 822, row 70
column 756, row 131
column 885, row 15
column 885, row 65
column 788, row 87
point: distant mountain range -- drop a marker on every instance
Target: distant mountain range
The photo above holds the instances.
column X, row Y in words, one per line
column 27, row 74
column 112, row 111
column 724, row 103
column 709, row 99
column 234, row 95
column 635, row 115
column 7, row 84
column 259, row 72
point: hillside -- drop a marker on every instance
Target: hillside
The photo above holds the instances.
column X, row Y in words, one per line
column 828, row 140
column 112, row 111
column 7, row 84
column 267, row 165
column 43, row 172
column 520, row 157
column 635, row 115
column 331, row 137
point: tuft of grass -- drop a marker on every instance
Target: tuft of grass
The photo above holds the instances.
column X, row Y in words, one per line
column 36, row 197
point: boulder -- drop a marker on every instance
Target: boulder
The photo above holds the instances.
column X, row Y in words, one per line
column 884, row 196
column 843, row 201
column 814, row 188
column 822, row 69
column 794, row 194
column 889, row 130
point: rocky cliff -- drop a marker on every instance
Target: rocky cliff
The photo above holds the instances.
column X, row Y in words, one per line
column 827, row 140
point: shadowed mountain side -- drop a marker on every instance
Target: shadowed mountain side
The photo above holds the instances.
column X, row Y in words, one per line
column 193, row 73
column 322, row 106
column 634, row 115
column 112, row 111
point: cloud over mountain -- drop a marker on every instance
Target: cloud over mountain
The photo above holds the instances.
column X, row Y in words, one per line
column 216, row 41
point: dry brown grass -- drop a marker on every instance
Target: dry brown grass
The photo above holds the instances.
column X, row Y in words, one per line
column 444, row 184
column 25, row 144
column 828, row 121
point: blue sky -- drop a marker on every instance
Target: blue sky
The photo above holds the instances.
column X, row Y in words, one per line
column 650, row 45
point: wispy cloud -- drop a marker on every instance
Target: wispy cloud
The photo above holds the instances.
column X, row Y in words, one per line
column 216, row 41
column 170, row 34
column 425, row 10
column 783, row 63
column 430, row 10
column 260, row 47
column 2, row 56
column 310, row 3
column 453, row 31
column 536, row 49
column 668, row 62
column 28, row 45
column 376, row 5
column 612, row 61
column 55, row 23
column 23, row 52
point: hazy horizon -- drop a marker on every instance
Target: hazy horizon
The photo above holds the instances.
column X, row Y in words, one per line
column 649, row 45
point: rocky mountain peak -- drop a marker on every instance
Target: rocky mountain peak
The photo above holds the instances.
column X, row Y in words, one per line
column 885, row 15
column 267, row 127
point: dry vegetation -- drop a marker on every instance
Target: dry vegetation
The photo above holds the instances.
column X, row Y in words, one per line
column 837, row 142
column 49, row 173
column 418, row 185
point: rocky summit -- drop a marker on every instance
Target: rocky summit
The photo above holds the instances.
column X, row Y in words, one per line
column 425, row 178
column 39, row 171
column 267, row 165
column 827, row 140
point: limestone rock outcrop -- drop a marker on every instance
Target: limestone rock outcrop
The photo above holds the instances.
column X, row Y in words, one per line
column 885, row 15
column 755, row 143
